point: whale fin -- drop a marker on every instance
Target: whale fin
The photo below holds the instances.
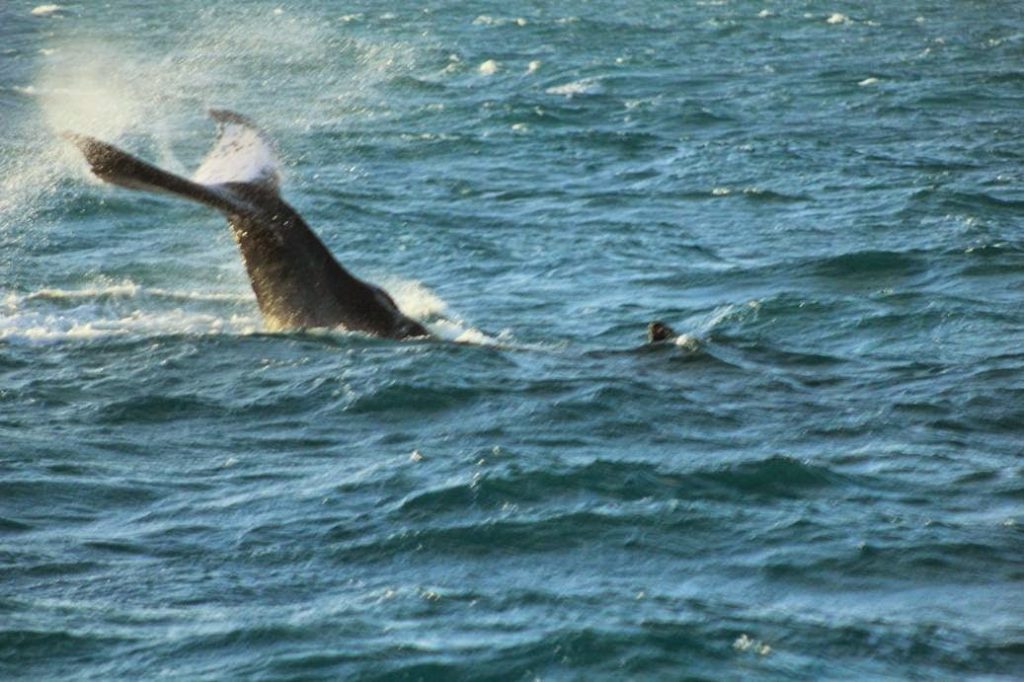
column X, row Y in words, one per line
column 243, row 154
column 118, row 167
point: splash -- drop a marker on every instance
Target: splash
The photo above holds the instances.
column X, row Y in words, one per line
column 420, row 303
column 114, row 88
column 687, row 342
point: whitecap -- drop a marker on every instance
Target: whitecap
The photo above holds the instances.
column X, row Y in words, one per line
column 586, row 86
column 488, row 20
column 488, row 67
column 838, row 18
column 46, row 10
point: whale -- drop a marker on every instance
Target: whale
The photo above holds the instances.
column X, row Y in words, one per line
column 298, row 282
column 658, row 331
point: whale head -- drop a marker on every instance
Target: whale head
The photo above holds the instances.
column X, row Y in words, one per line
column 659, row 331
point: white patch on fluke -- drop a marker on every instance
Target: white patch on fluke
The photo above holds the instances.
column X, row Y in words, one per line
column 242, row 154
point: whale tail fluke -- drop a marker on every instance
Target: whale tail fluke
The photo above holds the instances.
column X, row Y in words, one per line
column 242, row 157
column 243, row 154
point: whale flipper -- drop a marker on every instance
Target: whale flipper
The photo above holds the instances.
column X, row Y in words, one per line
column 297, row 281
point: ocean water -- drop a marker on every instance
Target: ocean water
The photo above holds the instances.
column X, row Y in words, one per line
column 823, row 481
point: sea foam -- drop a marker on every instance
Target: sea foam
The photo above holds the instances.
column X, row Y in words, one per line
column 116, row 309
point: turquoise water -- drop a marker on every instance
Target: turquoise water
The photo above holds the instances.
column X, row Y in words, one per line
column 823, row 482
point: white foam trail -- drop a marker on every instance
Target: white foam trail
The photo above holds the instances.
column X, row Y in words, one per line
column 119, row 309
column 86, row 322
column 126, row 289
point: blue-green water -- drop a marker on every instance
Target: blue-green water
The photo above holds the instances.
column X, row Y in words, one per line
column 826, row 482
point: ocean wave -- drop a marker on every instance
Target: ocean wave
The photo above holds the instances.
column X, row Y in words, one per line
column 944, row 198
column 77, row 500
column 881, row 561
column 872, row 262
column 156, row 409
column 13, row 526
column 603, row 481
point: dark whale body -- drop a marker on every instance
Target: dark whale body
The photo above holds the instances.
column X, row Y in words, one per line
column 658, row 331
column 298, row 283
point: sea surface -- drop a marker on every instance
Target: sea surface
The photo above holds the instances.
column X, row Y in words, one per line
column 823, row 479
